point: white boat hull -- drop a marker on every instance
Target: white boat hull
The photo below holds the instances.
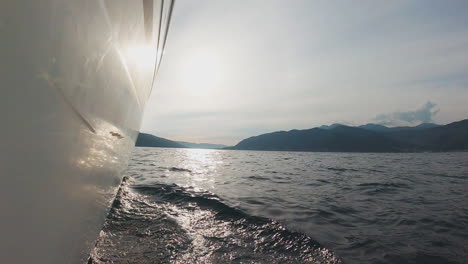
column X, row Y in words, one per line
column 75, row 76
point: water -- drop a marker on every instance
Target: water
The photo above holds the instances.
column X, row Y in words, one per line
column 217, row 206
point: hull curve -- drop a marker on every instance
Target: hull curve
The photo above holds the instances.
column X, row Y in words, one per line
column 75, row 78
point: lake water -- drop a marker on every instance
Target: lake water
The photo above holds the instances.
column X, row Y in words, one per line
column 218, row 206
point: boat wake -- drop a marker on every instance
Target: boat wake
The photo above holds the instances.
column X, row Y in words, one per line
column 163, row 223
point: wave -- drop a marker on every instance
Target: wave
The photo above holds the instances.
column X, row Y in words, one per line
column 175, row 169
column 167, row 223
column 385, row 185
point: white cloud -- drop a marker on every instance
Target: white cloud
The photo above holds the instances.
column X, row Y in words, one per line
column 425, row 114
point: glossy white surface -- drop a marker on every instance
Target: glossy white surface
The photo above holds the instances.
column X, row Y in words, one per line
column 75, row 76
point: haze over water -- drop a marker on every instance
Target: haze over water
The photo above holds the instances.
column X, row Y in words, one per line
column 188, row 205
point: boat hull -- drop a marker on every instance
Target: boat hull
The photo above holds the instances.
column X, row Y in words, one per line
column 75, row 76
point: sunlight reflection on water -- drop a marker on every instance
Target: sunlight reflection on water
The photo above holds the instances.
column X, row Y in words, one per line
column 366, row 207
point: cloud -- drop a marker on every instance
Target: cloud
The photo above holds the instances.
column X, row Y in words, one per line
column 424, row 114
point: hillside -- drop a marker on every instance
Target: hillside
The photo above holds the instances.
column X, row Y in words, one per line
column 367, row 138
column 147, row 140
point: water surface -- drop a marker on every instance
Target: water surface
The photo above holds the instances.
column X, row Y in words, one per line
column 218, row 206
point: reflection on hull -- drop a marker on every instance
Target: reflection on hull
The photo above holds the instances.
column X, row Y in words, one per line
column 74, row 84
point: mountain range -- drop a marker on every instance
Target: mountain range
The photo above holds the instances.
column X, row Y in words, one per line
column 365, row 138
column 148, row 140
column 342, row 138
column 201, row 145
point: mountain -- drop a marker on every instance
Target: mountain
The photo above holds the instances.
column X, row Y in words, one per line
column 426, row 125
column 330, row 126
column 451, row 137
column 338, row 139
column 147, row 140
column 366, row 138
column 381, row 128
column 201, row 145
column 375, row 127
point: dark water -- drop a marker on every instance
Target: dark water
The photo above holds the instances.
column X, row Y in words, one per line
column 210, row 206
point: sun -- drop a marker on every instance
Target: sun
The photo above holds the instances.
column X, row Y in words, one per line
column 141, row 55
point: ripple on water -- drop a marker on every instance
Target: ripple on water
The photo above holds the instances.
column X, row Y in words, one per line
column 172, row 224
column 368, row 208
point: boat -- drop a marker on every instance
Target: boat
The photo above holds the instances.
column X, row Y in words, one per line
column 75, row 77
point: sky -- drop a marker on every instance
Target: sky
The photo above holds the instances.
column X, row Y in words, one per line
column 235, row 69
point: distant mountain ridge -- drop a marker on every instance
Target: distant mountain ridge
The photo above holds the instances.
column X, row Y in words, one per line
column 148, row 140
column 201, row 145
column 365, row 138
column 382, row 128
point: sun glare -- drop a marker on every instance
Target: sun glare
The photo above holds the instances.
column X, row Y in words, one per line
column 143, row 55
